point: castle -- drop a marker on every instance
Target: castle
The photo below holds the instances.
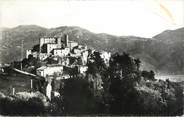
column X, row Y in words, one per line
column 62, row 59
column 61, row 50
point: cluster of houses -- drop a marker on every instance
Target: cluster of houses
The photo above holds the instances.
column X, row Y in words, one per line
column 68, row 58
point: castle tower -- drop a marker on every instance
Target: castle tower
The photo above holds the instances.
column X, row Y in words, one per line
column 66, row 40
column 42, row 41
column 59, row 42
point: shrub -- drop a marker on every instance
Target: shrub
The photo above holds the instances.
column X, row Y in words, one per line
column 17, row 106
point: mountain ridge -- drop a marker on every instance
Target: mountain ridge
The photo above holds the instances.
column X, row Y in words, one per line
column 170, row 35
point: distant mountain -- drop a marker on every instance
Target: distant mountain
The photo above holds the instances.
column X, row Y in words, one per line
column 171, row 36
column 174, row 40
column 157, row 53
column 11, row 41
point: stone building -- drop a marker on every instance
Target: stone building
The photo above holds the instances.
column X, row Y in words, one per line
column 50, row 70
column 105, row 56
column 72, row 44
column 61, row 52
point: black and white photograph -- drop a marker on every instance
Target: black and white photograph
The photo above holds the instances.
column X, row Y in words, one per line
column 91, row 57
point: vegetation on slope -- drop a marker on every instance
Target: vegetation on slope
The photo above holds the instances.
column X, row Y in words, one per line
column 119, row 88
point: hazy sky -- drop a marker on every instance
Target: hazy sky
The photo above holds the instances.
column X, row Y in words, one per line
column 144, row 18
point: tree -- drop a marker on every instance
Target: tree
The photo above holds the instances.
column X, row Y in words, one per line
column 152, row 75
column 97, row 61
column 137, row 62
column 36, row 48
column 78, row 97
column 122, row 65
column 124, row 75
column 25, row 62
column 96, row 73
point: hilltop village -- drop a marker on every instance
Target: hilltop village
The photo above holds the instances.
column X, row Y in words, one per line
column 61, row 58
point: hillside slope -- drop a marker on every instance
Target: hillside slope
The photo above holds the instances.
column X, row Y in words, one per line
column 171, row 36
column 10, row 45
column 174, row 40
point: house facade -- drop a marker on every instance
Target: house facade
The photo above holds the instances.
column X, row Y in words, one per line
column 61, row 52
column 50, row 70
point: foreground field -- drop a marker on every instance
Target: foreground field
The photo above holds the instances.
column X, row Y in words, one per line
column 19, row 82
